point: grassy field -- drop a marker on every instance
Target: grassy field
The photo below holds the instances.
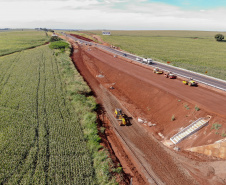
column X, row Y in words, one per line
column 41, row 138
column 159, row 33
column 193, row 50
column 12, row 41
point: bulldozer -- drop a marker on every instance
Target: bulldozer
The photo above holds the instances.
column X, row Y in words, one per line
column 190, row 82
column 120, row 116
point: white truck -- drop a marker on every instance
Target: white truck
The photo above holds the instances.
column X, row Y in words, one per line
column 147, row 60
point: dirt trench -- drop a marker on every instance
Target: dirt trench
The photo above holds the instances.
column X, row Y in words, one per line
column 118, row 152
column 164, row 165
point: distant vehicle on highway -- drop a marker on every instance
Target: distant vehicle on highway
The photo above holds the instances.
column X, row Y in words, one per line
column 124, row 54
column 147, row 60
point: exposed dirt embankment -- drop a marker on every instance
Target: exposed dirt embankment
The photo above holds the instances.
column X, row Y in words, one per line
column 81, row 37
column 140, row 93
column 109, row 140
column 157, row 99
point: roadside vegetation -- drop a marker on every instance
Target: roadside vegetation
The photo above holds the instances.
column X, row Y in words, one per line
column 219, row 37
column 14, row 41
column 173, row 118
column 217, row 127
column 77, row 91
column 61, row 45
column 197, row 108
column 41, row 137
column 193, row 50
column 48, row 131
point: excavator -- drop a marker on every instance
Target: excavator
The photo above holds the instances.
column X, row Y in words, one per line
column 120, row 116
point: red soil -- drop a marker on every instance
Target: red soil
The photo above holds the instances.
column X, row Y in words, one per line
column 81, row 37
column 156, row 98
column 140, row 93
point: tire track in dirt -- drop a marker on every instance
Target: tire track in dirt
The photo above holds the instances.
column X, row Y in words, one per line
column 149, row 153
column 93, row 83
column 152, row 154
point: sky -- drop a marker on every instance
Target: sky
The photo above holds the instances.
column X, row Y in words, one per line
column 206, row 15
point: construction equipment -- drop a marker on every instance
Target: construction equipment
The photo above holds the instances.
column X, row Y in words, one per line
column 190, row 82
column 157, row 71
column 170, row 75
column 120, row 116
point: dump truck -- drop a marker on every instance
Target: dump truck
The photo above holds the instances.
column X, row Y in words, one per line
column 120, row 116
column 190, row 82
column 170, row 75
column 157, row 71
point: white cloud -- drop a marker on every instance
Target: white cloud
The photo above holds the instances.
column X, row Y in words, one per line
column 107, row 14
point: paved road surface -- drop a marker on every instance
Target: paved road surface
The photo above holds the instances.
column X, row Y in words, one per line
column 210, row 81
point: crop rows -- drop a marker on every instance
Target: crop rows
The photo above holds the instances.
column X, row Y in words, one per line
column 41, row 141
column 13, row 41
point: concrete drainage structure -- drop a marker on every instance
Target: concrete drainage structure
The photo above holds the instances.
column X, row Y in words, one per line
column 189, row 130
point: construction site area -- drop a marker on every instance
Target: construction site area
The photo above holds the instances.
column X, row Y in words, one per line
column 161, row 130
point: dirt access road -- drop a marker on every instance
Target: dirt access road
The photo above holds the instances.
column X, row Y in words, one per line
column 140, row 93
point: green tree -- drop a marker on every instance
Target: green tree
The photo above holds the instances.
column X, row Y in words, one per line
column 51, row 30
column 219, row 37
column 59, row 45
column 55, row 38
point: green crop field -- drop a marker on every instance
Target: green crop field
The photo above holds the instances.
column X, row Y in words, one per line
column 159, row 33
column 41, row 138
column 193, row 50
column 12, row 41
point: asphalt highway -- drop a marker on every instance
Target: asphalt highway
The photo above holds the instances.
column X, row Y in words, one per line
column 200, row 78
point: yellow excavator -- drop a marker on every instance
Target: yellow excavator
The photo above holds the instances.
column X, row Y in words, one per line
column 120, row 116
